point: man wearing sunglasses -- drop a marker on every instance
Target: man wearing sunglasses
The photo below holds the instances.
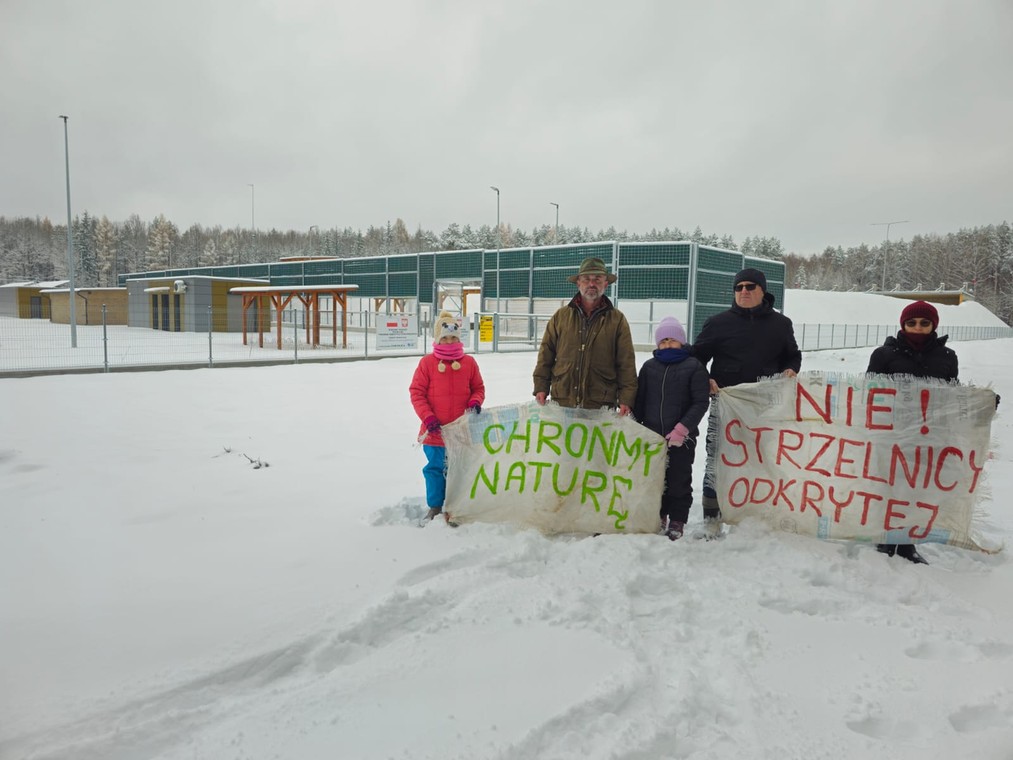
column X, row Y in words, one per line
column 748, row 341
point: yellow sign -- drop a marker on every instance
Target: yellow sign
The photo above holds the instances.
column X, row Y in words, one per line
column 485, row 329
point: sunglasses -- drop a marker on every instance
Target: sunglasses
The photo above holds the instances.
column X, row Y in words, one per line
column 750, row 286
column 918, row 323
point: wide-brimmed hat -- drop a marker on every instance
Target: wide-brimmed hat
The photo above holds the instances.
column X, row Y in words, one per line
column 592, row 265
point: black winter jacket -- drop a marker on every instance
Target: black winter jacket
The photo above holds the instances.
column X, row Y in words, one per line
column 898, row 357
column 747, row 344
column 671, row 393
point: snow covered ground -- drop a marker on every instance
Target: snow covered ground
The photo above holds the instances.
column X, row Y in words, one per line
column 164, row 596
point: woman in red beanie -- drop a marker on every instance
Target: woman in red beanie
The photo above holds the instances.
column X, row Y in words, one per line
column 917, row 350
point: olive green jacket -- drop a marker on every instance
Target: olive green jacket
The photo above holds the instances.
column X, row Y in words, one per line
column 587, row 362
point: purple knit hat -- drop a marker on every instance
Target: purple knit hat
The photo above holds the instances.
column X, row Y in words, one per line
column 669, row 327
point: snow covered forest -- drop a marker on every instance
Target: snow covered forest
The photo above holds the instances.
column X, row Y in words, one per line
column 980, row 258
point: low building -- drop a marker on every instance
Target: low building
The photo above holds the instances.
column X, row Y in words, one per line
column 26, row 300
column 189, row 303
column 88, row 305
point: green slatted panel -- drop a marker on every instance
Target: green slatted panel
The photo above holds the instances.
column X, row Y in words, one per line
column 404, row 285
column 288, row 269
column 289, row 281
column 459, row 265
column 323, row 279
column 647, row 283
column 715, row 288
column 370, row 284
column 254, row 271
column 355, row 267
column 489, row 285
column 426, row 267
column 515, row 283
column 570, row 256
column 645, row 254
column 333, row 267
column 553, row 285
column 553, row 264
column 515, row 258
column 719, row 260
column 653, row 271
column 225, row 272
column 489, row 258
column 514, row 274
column 403, row 264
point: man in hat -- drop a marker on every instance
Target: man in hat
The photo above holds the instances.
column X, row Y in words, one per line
column 586, row 359
column 748, row 341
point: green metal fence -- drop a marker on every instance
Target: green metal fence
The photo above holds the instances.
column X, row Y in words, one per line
column 702, row 275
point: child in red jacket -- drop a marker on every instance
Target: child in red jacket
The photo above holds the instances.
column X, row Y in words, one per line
column 446, row 384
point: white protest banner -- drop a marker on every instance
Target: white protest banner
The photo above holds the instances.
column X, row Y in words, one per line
column 558, row 470
column 890, row 459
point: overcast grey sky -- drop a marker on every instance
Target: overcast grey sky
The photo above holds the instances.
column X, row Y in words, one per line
column 804, row 120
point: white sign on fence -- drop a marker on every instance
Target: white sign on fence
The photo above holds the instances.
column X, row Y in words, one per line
column 559, row 470
column 397, row 331
column 867, row 457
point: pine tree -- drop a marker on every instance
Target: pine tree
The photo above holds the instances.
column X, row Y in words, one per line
column 161, row 240
column 86, row 262
column 801, row 280
column 105, row 252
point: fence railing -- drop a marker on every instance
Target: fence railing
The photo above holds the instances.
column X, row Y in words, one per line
column 36, row 346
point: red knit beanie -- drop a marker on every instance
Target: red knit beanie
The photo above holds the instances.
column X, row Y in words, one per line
column 920, row 309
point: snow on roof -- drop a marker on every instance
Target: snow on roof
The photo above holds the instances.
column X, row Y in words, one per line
column 81, row 290
column 198, row 277
column 293, row 288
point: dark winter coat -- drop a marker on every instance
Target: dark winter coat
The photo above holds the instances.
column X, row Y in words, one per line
column 671, row 393
column 898, row 357
column 587, row 362
column 747, row 344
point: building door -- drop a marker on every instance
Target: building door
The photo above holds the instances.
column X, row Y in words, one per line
column 177, row 319
column 35, row 307
column 165, row 311
column 154, row 312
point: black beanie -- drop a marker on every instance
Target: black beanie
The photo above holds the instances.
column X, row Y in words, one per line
column 752, row 275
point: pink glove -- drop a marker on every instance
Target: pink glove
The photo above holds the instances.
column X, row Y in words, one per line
column 678, row 435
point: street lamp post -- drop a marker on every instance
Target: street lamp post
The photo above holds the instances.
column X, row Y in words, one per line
column 70, row 240
column 886, row 249
column 499, row 237
column 555, row 229
column 253, row 219
column 499, row 244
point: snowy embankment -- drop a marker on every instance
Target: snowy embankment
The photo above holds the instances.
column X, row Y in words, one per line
column 165, row 598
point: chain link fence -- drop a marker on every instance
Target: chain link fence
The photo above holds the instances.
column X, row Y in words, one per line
column 36, row 346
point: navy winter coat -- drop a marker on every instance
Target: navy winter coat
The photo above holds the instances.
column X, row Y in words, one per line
column 747, row 344
column 671, row 393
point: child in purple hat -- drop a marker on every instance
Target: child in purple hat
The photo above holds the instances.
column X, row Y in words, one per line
column 673, row 392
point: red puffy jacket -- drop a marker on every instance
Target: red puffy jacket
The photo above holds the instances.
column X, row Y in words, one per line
column 446, row 394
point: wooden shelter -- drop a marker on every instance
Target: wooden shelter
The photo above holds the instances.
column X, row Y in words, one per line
column 309, row 296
